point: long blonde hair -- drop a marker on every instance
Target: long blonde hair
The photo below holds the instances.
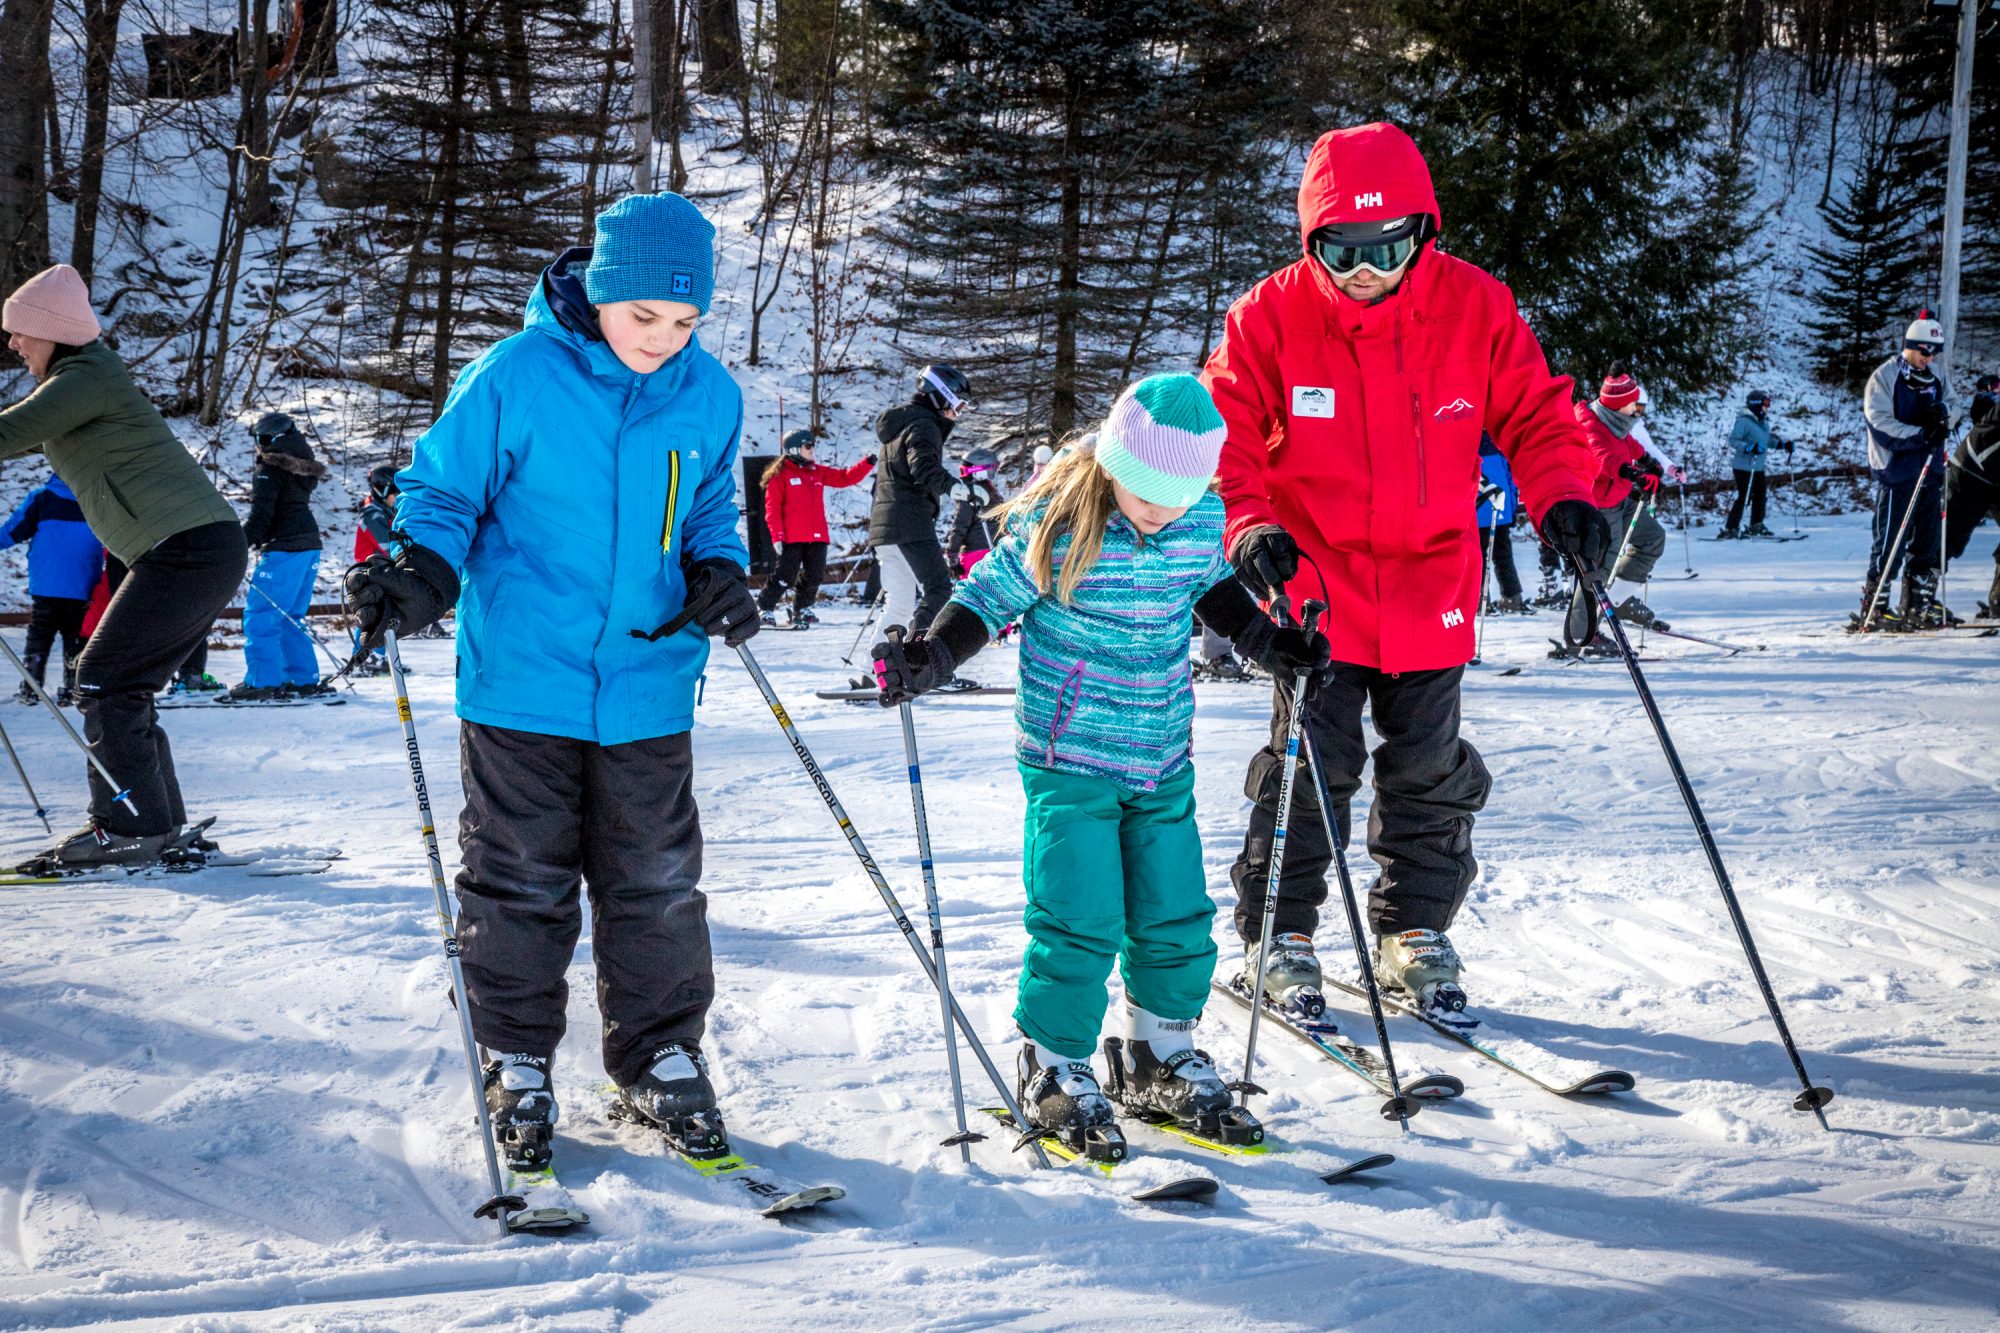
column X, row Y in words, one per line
column 1075, row 496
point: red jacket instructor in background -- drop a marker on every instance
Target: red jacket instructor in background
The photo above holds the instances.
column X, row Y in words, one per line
column 1356, row 383
column 795, row 511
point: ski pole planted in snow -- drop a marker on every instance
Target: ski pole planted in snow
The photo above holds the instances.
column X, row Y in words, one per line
column 965, row 1138
column 882, row 888
column 874, row 610
column 1244, row 1086
column 26, row 785
column 501, row 1203
column 122, row 795
column 339, row 668
column 1813, row 1098
column 1399, row 1107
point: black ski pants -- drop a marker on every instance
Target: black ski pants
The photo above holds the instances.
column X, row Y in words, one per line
column 1429, row 784
column 1749, row 486
column 1500, row 553
column 802, row 567
column 53, row 618
column 196, row 663
column 1918, row 555
column 1972, row 501
column 543, row 815
column 166, row 603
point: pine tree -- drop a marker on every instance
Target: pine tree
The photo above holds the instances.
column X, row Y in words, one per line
column 1568, row 146
column 1867, row 267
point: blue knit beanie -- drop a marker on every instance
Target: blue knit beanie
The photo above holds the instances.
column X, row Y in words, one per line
column 652, row 247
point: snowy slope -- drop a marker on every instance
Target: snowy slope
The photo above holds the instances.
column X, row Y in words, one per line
column 235, row 1103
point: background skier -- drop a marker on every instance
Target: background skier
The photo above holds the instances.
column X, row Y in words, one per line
column 278, row 656
column 1750, row 445
column 65, row 560
column 1906, row 406
column 795, row 512
column 903, row 525
column 1628, row 481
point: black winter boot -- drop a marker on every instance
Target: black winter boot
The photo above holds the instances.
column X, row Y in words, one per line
column 521, row 1103
column 675, row 1097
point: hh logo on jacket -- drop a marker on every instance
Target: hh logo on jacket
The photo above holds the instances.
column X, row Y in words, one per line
column 1454, row 409
column 1453, row 617
column 1308, row 401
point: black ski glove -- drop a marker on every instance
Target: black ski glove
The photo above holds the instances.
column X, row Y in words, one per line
column 408, row 594
column 870, row 459
column 1936, row 414
column 1577, row 531
column 906, row 668
column 1284, row 650
column 718, row 600
column 1266, row 559
column 1643, row 473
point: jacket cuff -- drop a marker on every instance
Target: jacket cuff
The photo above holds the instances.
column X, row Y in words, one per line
column 959, row 632
column 1227, row 608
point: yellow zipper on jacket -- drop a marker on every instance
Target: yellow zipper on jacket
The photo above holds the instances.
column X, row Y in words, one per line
column 673, row 503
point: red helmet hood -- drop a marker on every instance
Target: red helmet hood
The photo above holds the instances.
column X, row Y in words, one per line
column 1367, row 173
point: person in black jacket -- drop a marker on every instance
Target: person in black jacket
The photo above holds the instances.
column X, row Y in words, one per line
column 903, row 527
column 1974, row 484
column 971, row 532
column 277, row 653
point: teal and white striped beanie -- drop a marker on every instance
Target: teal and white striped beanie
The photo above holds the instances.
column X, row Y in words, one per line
column 1162, row 440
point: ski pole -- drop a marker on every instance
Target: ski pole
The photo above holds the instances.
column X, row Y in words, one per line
column 122, row 795
column 1883, row 576
column 34, row 800
column 1485, row 579
column 1398, row 1107
column 1687, row 556
column 1813, row 1098
column 1293, row 727
column 501, row 1203
column 874, row 610
column 964, row 1138
column 339, row 669
column 882, row 888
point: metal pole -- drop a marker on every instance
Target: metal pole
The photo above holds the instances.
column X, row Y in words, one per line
column 1485, row 579
column 964, row 1138
column 881, row 884
column 1813, row 1098
column 34, row 800
column 642, row 96
column 874, row 610
column 501, row 1203
column 122, row 795
column 1954, row 186
column 1687, row 554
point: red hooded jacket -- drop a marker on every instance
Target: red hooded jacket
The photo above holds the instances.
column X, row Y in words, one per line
column 1356, row 427
column 795, row 498
column 1612, row 454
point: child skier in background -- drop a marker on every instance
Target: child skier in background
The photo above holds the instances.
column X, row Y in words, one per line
column 970, row 535
column 65, row 561
column 1103, row 560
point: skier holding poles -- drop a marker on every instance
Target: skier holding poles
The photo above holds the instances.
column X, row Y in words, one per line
column 1352, row 468
column 1906, row 409
column 1102, row 561
column 580, row 481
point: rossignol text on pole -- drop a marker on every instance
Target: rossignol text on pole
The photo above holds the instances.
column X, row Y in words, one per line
column 501, row 1203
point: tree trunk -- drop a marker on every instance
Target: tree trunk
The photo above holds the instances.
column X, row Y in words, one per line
column 721, row 47
column 670, row 83
column 100, row 32
column 448, row 205
column 24, row 100
column 520, row 82
column 1064, row 391
column 254, row 15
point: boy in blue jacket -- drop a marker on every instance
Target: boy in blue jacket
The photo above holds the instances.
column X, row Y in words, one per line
column 579, row 485
column 64, row 561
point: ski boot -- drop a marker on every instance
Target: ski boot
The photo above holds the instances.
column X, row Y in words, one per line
column 675, row 1097
column 1759, row 530
column 1728, row 535
column 95, row 847
column 957, row 685
column 252, row 694
column 205, row 683
column 1635, row 612
column 769, row 620
column 1180, row 1086
column 1423, row 965
column 1513, row 604
column 1062, row 1100
column 1552, row 593
column 26, row 695
column 521, row 1103
column 316, row 690
column 1292, row 979
column 804, row 619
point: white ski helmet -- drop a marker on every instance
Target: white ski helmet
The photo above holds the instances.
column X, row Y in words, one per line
column 1924, row 334
column 1043, row 454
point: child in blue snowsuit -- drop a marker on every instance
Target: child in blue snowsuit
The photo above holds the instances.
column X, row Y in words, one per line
column 577, row 492
column 64, row 562
column 1499, row 502
column 1103, row 562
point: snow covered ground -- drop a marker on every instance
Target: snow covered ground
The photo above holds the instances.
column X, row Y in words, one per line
column 230, row 1102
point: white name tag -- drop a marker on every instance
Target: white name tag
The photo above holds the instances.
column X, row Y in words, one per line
column 1308, row 401
column 797, row 482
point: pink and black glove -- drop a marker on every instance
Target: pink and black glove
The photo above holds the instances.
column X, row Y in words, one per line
column 906, row 668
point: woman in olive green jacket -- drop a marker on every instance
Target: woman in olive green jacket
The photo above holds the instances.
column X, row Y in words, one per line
column 152, row 507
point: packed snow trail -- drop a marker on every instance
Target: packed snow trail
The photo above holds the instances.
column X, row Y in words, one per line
column 237, row 1102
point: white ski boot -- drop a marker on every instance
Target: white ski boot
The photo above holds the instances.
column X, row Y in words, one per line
column 1292, row 978
column 1157, row 1075
column 1423, row 965
column 1062, row 1100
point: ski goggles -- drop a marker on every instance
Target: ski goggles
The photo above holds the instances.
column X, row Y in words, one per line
column 953, row 403
column 1383, row 247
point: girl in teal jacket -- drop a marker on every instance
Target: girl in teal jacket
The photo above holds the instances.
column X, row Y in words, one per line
column 580, row 486
column 1103, row 562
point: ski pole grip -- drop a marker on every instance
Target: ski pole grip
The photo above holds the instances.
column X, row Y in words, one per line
column 1310, row 613
column 1281, row 610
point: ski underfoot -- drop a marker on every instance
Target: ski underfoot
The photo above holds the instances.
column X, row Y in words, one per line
column 1344, row 1052
column 546, row 1205
column 870, row 696
column 735, row 1177
column 1550, row 1072
column 257, row 862
column 1186, row 1189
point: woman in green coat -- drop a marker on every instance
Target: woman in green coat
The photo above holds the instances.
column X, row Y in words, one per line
column 149, row 503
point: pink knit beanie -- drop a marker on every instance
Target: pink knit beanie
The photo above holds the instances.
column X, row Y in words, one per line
column 54, row 304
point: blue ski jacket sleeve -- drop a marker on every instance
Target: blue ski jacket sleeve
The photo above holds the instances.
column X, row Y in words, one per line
column 64, row 555
column 570, row 492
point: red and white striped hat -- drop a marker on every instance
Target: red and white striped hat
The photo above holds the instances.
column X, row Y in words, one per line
column 1619, row 389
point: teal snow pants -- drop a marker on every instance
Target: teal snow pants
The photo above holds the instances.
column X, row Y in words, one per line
column 1111, row 873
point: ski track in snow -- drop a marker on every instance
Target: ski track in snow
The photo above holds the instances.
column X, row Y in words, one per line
column 232, row 1103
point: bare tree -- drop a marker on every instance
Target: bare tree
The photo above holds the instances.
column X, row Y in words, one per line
column 25, row 97
column 100, row 44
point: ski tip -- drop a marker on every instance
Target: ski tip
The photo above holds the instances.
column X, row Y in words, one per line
column 805, row 1199
column 1370, row 1163
column 1194, row 1189
column 1604, row 1081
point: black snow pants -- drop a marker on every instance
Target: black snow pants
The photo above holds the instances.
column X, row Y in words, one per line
column 1973, row 500
column 163, row 607
column 1918, row 555
column 54, row 618
column 1500, row 554
column 1428, row 786
column 802, row 566
column 1749, row 486
column 543, row 814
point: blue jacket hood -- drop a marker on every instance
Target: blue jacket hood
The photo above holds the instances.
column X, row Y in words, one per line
column 559, row 297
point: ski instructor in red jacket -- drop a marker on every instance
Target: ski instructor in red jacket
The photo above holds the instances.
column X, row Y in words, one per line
column 1355, row 384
